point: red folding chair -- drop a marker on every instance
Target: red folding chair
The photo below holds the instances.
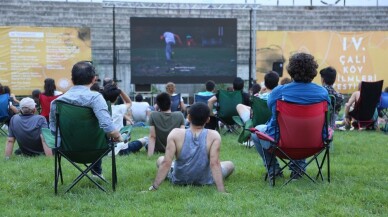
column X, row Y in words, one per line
column 303, row 133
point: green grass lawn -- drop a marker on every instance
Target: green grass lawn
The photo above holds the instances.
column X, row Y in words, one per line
column 359, row 186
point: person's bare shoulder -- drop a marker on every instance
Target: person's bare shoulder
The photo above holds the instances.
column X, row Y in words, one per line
column 213, row 135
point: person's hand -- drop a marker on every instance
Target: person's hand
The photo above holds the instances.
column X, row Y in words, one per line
column 118, row 139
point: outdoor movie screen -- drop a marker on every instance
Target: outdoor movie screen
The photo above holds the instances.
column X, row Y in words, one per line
column 183, row 50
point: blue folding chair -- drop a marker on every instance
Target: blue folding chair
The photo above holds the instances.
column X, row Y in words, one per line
column 4, row 112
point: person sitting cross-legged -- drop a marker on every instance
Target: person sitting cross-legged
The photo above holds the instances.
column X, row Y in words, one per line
column 161, row 123
column 197, row 153
column 26, row 128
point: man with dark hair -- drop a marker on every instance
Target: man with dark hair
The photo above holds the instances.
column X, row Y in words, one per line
column 83, row 76
column 26, row 128
column 328, row 76
column 119, row 112
column 210, row 85
column 302, row 68
column 162, row 122
column 197, row 153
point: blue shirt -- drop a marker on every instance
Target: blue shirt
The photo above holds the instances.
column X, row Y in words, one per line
column 206, row 93
column 296, row 92
column 82, row 96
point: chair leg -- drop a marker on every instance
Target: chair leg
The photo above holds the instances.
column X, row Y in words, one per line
column 328, row 165
column 56, row 172
column 114, row 172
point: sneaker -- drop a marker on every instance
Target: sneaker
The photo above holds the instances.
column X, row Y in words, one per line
column 295, row 175
column 145, row 141
column 98, row 177
column 118, row 147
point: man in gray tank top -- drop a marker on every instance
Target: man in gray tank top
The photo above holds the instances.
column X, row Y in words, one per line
column 196, row 151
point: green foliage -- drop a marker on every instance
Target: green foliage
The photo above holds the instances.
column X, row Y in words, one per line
column 358, row 186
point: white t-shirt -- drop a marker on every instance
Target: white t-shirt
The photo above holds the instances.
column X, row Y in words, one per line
column 118, row 112
column 169, row 37
column 139, row 111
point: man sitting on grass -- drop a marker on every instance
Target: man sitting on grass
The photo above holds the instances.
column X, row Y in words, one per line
column 197, row 153
column 26, row 128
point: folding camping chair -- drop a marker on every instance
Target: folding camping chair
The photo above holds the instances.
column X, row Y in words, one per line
column 303, row 133
column 4, row 112
column 80, row 140
column 176, row 103
column 226, row 109
column 261, row 114
column 383, row 110
column 200, row 98
column 366, row 105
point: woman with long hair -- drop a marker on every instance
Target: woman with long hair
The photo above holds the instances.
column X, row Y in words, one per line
column 50, row 93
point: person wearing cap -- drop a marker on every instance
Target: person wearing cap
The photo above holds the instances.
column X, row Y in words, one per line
column 328, row 76
column 25, row 128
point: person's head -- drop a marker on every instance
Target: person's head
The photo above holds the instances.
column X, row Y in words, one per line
column 139, row 98
column 386, row 90
column 255, row 88
column 35, row 94
column 107, row 81
column 302, row 67
column 271, row 80
column 163, row 100
column 328, row 75
column 49, row 87
column 210, row 85
column 6, row 89
column 170, row 88
column 27, row 106
column 95, row 87
column 199, row 114
column 285, row 80
column 111, row 92
column 238, row 84
column 83, row 73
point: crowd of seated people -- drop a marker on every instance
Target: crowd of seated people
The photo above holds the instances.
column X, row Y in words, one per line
column 163, row 122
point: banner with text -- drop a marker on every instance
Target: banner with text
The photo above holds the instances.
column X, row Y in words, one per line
column 357, row 56
column 31, row 54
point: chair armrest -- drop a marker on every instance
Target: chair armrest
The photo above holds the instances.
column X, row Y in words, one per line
column 262, row 135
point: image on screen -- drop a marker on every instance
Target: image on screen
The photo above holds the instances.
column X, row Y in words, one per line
column 183, row 50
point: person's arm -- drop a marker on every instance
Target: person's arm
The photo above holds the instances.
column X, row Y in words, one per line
column 13, row 109
column 125, row 98
column 183, row 106
column 116, row 136
column 13, row 97
column 351, row 101
column 151, row 142
column 178, row 38
column 46, row 149
column 215, row 164
column 167, row 160
column 210, row 103
column 9, row 147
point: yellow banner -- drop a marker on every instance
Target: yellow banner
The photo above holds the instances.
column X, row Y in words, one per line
column 31, row 54
column 357, row 56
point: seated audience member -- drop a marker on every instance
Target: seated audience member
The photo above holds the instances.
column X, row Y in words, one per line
column 302, row 68
column 83, row 76
column 328, row 76
column 238, row 85
column 140, row 111
column 35, row 95
column 271, row 80
column 170, row 89
column 285, row 80
column 255, row 89
column 12, row 96
column 210, row 86
column 12, row 109
column 48, row 96
column 26, row 128
column 111, row 93
column 349, row 106
column 96, row 87
column 197, row 153
column 161, row 123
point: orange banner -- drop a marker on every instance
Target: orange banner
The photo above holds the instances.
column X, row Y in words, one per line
column 31, row 54
column 357, row 56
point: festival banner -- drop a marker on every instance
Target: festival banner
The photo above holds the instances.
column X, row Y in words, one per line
column 357, row 56
column 31, row 54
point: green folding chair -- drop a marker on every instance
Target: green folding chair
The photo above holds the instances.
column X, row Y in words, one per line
column 80, row 140
column 226, row 109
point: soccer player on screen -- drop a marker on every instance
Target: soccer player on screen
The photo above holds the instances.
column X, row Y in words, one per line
column 169, row 38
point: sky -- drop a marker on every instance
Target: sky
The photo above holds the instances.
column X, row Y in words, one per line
column 262, row 2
